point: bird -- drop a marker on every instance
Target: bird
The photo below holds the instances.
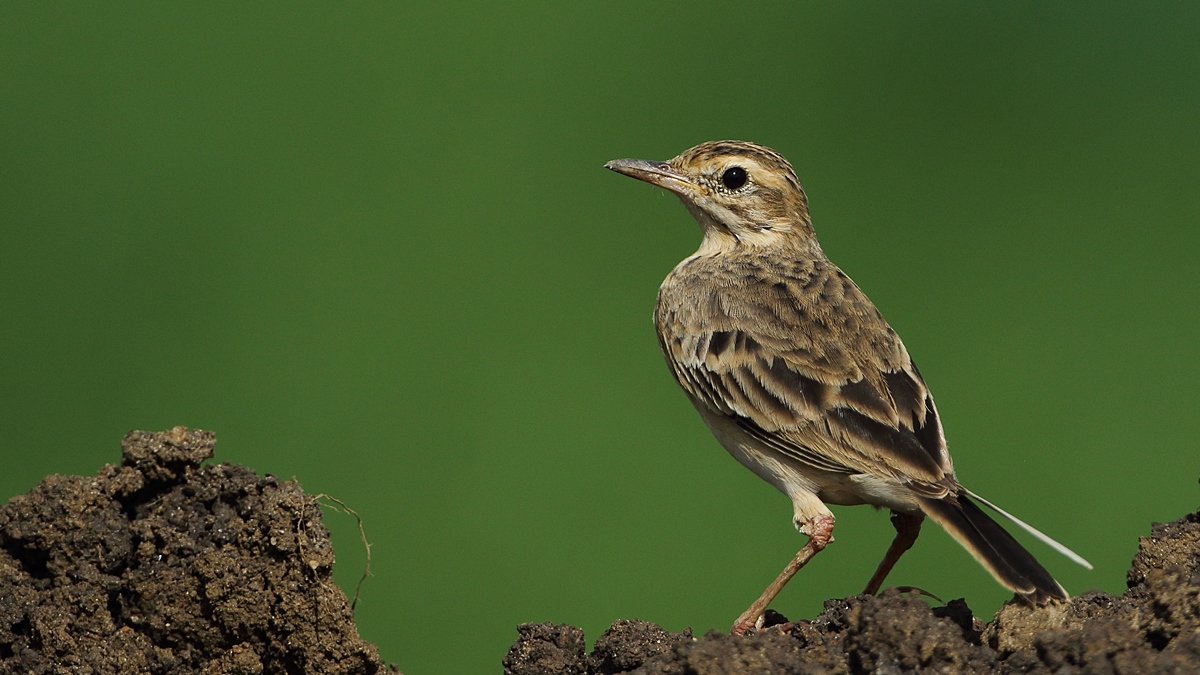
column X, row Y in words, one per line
column 797, row 374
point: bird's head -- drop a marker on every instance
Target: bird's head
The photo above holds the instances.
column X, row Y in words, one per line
column 742, row 194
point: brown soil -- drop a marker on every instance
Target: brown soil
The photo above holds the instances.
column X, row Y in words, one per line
column 1154, row 627
column 160, row 565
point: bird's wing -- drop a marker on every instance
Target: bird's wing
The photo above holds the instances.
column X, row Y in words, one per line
column 812, row 371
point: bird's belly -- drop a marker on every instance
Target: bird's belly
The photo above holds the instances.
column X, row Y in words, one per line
column 791, row 476
column 886, row 492
column 785, row 473
column 838, row 492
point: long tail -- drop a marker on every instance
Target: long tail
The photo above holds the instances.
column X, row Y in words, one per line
column 994, row 548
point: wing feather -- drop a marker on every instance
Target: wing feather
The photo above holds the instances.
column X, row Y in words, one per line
column 834, row 390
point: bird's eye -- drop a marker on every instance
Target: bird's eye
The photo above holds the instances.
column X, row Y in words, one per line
column 734, row 177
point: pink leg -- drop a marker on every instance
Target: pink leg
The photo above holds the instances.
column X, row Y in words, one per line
column 908, row 526
column 820, row 532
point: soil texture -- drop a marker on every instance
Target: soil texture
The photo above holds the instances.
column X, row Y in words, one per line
column 166, row 565
column 162, row 565
column 1153, row 627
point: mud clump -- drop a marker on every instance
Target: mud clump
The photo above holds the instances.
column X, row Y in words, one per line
column 161, row 565
column 165, row 565
column 1153, row 627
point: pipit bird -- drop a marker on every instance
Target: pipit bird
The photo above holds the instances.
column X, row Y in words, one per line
column 800, row 378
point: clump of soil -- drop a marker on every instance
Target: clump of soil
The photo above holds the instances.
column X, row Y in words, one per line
column 161, row 565
column 1153, row 627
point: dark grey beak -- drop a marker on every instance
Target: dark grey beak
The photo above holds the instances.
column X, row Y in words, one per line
column 655, row 173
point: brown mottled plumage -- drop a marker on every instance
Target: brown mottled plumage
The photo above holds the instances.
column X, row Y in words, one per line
column 800, row 377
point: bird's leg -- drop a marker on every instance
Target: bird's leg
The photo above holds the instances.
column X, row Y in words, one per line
column 820, row 533
column 908, row 526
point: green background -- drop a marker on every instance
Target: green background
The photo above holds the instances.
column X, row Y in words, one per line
column 372, row 246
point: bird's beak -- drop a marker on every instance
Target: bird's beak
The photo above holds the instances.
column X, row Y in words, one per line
column 655, row 173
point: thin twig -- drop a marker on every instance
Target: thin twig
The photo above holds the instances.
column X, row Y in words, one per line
column 362, row 534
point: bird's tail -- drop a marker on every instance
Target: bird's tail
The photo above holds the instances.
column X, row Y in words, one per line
column 996, row 549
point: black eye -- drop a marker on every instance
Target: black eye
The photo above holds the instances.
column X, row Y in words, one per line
column 734, row 177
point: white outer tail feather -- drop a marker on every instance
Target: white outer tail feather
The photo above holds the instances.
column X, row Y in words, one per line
column 1075, row 557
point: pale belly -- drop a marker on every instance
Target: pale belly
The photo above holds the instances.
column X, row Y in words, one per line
column 808, row 487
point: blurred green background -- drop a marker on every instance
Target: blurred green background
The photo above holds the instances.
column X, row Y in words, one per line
column 372, row 247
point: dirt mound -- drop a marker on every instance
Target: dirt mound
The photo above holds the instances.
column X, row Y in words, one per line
column 160, row 565
column 1154, row 627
